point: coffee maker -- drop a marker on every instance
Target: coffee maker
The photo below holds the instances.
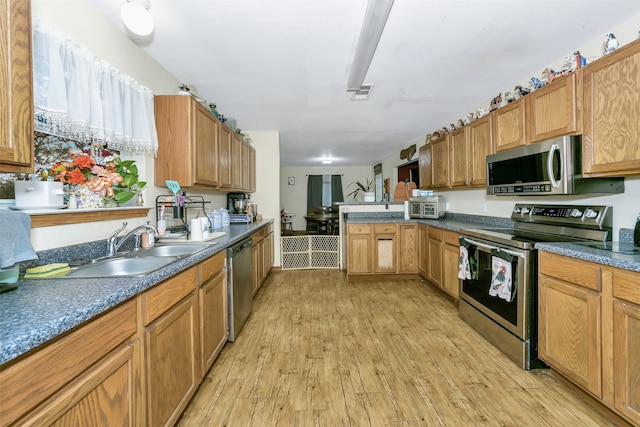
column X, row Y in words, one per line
column 236, row 203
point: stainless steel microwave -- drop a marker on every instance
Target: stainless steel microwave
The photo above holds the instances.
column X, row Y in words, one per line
column 549, row 167
column 431, row 207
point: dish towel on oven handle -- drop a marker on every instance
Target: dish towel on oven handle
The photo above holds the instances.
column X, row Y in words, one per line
column 468, row 265
column 502, row 283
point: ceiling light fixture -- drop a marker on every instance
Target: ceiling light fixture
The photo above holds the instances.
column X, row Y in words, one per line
column 136, row 17
column 326, row 162
column 375, row 19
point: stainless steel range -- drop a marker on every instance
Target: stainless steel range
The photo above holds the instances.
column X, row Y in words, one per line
column 498, row 296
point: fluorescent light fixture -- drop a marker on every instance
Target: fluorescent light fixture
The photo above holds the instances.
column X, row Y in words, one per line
column 375, row 19
column 137, row 18
column 326, row 162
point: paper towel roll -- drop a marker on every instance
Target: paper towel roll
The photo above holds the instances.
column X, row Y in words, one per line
column 196, row 229
column 406, row 209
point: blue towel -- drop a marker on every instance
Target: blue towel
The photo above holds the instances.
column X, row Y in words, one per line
column 15, row 243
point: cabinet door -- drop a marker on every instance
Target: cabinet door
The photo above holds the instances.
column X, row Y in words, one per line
column 423, row 256
column 267, row 256
column 252, row 169
column 258, row 264
column 245, row 167
column 359, row 253
column 424, row 155
column 213, row 318
column 434, row 261
column 480, row 146
column 105, row 395
column 509, row 126
column 16, row 114
column 385, row 253
column 611, row 120
column 225, row 157
column 409, row 248
column 171, row 362
column 236, row 162
column 569, row 331
column 206, row 147
column 440, row 163
column 458, row 157
column 553, row 109
column 450, row 261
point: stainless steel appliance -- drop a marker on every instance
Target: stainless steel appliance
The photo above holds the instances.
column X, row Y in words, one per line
column 236, row 203
column 545, row 168
column 239, row 286
column 511, row 324
column 432, row 207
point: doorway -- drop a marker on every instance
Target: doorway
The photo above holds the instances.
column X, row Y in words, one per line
column 409, row 171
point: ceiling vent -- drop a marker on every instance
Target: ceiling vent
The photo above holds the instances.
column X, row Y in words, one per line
column 362, row 94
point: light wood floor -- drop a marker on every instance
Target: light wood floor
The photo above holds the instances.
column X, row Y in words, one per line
column 321, row 351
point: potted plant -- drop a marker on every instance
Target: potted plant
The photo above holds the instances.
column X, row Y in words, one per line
column 366, row 188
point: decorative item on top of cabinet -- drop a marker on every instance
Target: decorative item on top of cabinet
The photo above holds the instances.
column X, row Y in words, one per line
column 188, row 142
column 609, row 143
column 16, row 117
column 610, row 43
column 480, row 146
column 509, row 130
column 554, row 110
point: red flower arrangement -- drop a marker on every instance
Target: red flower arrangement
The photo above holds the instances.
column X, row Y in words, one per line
column 82, row 169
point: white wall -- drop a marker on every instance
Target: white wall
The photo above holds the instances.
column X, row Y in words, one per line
column 293, row 198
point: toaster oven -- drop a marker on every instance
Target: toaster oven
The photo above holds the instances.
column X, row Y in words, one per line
column 430, row 207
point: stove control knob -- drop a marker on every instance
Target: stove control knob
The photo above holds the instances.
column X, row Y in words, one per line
column 590, row 213
column 516, row 210
column 576, row 213
column 525, row 211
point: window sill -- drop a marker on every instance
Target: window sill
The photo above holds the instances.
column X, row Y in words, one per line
column 50, row 218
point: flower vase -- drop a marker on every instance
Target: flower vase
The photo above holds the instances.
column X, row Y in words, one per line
column 88, row 199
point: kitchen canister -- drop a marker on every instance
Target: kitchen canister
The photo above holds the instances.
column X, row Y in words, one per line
column 226, row 221
column 216, row 219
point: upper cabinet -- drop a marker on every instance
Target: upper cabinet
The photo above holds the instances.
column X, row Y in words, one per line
column 196, row 150
column 440, row 162
column 509, row 130
column 424, row 156
column 554, row 110
column 611, row 91
column 480, row 146
column 459, row 157
column 16, row 114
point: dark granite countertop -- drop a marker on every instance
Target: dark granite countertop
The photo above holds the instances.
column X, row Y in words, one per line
column 629, row 260
column 40, row 310
column 451, row 221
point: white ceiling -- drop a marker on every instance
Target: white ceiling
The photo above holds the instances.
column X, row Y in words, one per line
column 283, row 64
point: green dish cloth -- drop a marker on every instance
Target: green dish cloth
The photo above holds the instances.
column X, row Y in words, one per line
column 49, row 270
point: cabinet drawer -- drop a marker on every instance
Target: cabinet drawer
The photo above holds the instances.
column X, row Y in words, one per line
column 359, row 229
column 435, row 233
column 451, row 238
column 384, row 228
column 168, row 293
column 626, row 286
column 577, row 272
column 212, row 266
column 36, row 377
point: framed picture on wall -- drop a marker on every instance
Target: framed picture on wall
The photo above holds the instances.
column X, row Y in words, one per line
column 292, row 180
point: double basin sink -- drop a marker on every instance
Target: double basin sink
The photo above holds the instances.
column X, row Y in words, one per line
column 136, row 263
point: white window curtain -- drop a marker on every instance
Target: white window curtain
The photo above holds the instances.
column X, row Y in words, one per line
column 83, row 98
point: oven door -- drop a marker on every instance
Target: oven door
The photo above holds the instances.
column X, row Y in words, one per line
column 511, row 315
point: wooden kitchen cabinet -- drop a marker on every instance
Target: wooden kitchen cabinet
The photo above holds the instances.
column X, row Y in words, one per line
column 214, row 331
column 359, row 253
column 385, row 249
column 626, row 342
column 555, row 109
column 188, row 142
column 611, row 120
column 423, row 254
column 440, row 163
column 450, row 262
column 424, row 165
column 409, row 248
column 171, row 347
column 262, row 252
column 16, row 115
column 434, row 261
column 237, row 171
column 224, row 163
column 96, row 379
column 509, row 130
column 252, row 169
column 480, row 146
column 459, row 157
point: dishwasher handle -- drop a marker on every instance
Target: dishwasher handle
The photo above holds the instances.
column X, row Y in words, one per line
column 241, row 246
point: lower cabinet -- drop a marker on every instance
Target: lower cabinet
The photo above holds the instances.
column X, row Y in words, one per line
column 359, row 256
column 589, row 329
column 434, row 258
column 385, row 249
column 450, row 262
column 262, row 250
column 214, row 329
column 439, row 257
column 423, row 252
column 409, row 248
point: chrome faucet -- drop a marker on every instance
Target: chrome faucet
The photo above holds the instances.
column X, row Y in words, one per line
column 112, row 246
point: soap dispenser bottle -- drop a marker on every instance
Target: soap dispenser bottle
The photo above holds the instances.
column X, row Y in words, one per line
column 636, row 232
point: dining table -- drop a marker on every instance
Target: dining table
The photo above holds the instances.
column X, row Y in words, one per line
column 325, row 221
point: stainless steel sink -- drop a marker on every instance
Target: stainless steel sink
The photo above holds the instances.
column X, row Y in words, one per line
column 168, row 250
column 122, row 267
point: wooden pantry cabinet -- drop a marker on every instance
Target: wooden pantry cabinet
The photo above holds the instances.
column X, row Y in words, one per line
column 589, row 329
column 611, row 93
column 16, row 115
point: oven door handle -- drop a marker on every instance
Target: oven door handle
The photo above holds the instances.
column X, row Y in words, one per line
column 482, row 245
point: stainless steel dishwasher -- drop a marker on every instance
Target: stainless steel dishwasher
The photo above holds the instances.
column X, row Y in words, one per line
column 239, row 286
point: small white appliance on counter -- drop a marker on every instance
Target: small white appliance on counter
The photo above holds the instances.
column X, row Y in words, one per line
column 430, row 207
